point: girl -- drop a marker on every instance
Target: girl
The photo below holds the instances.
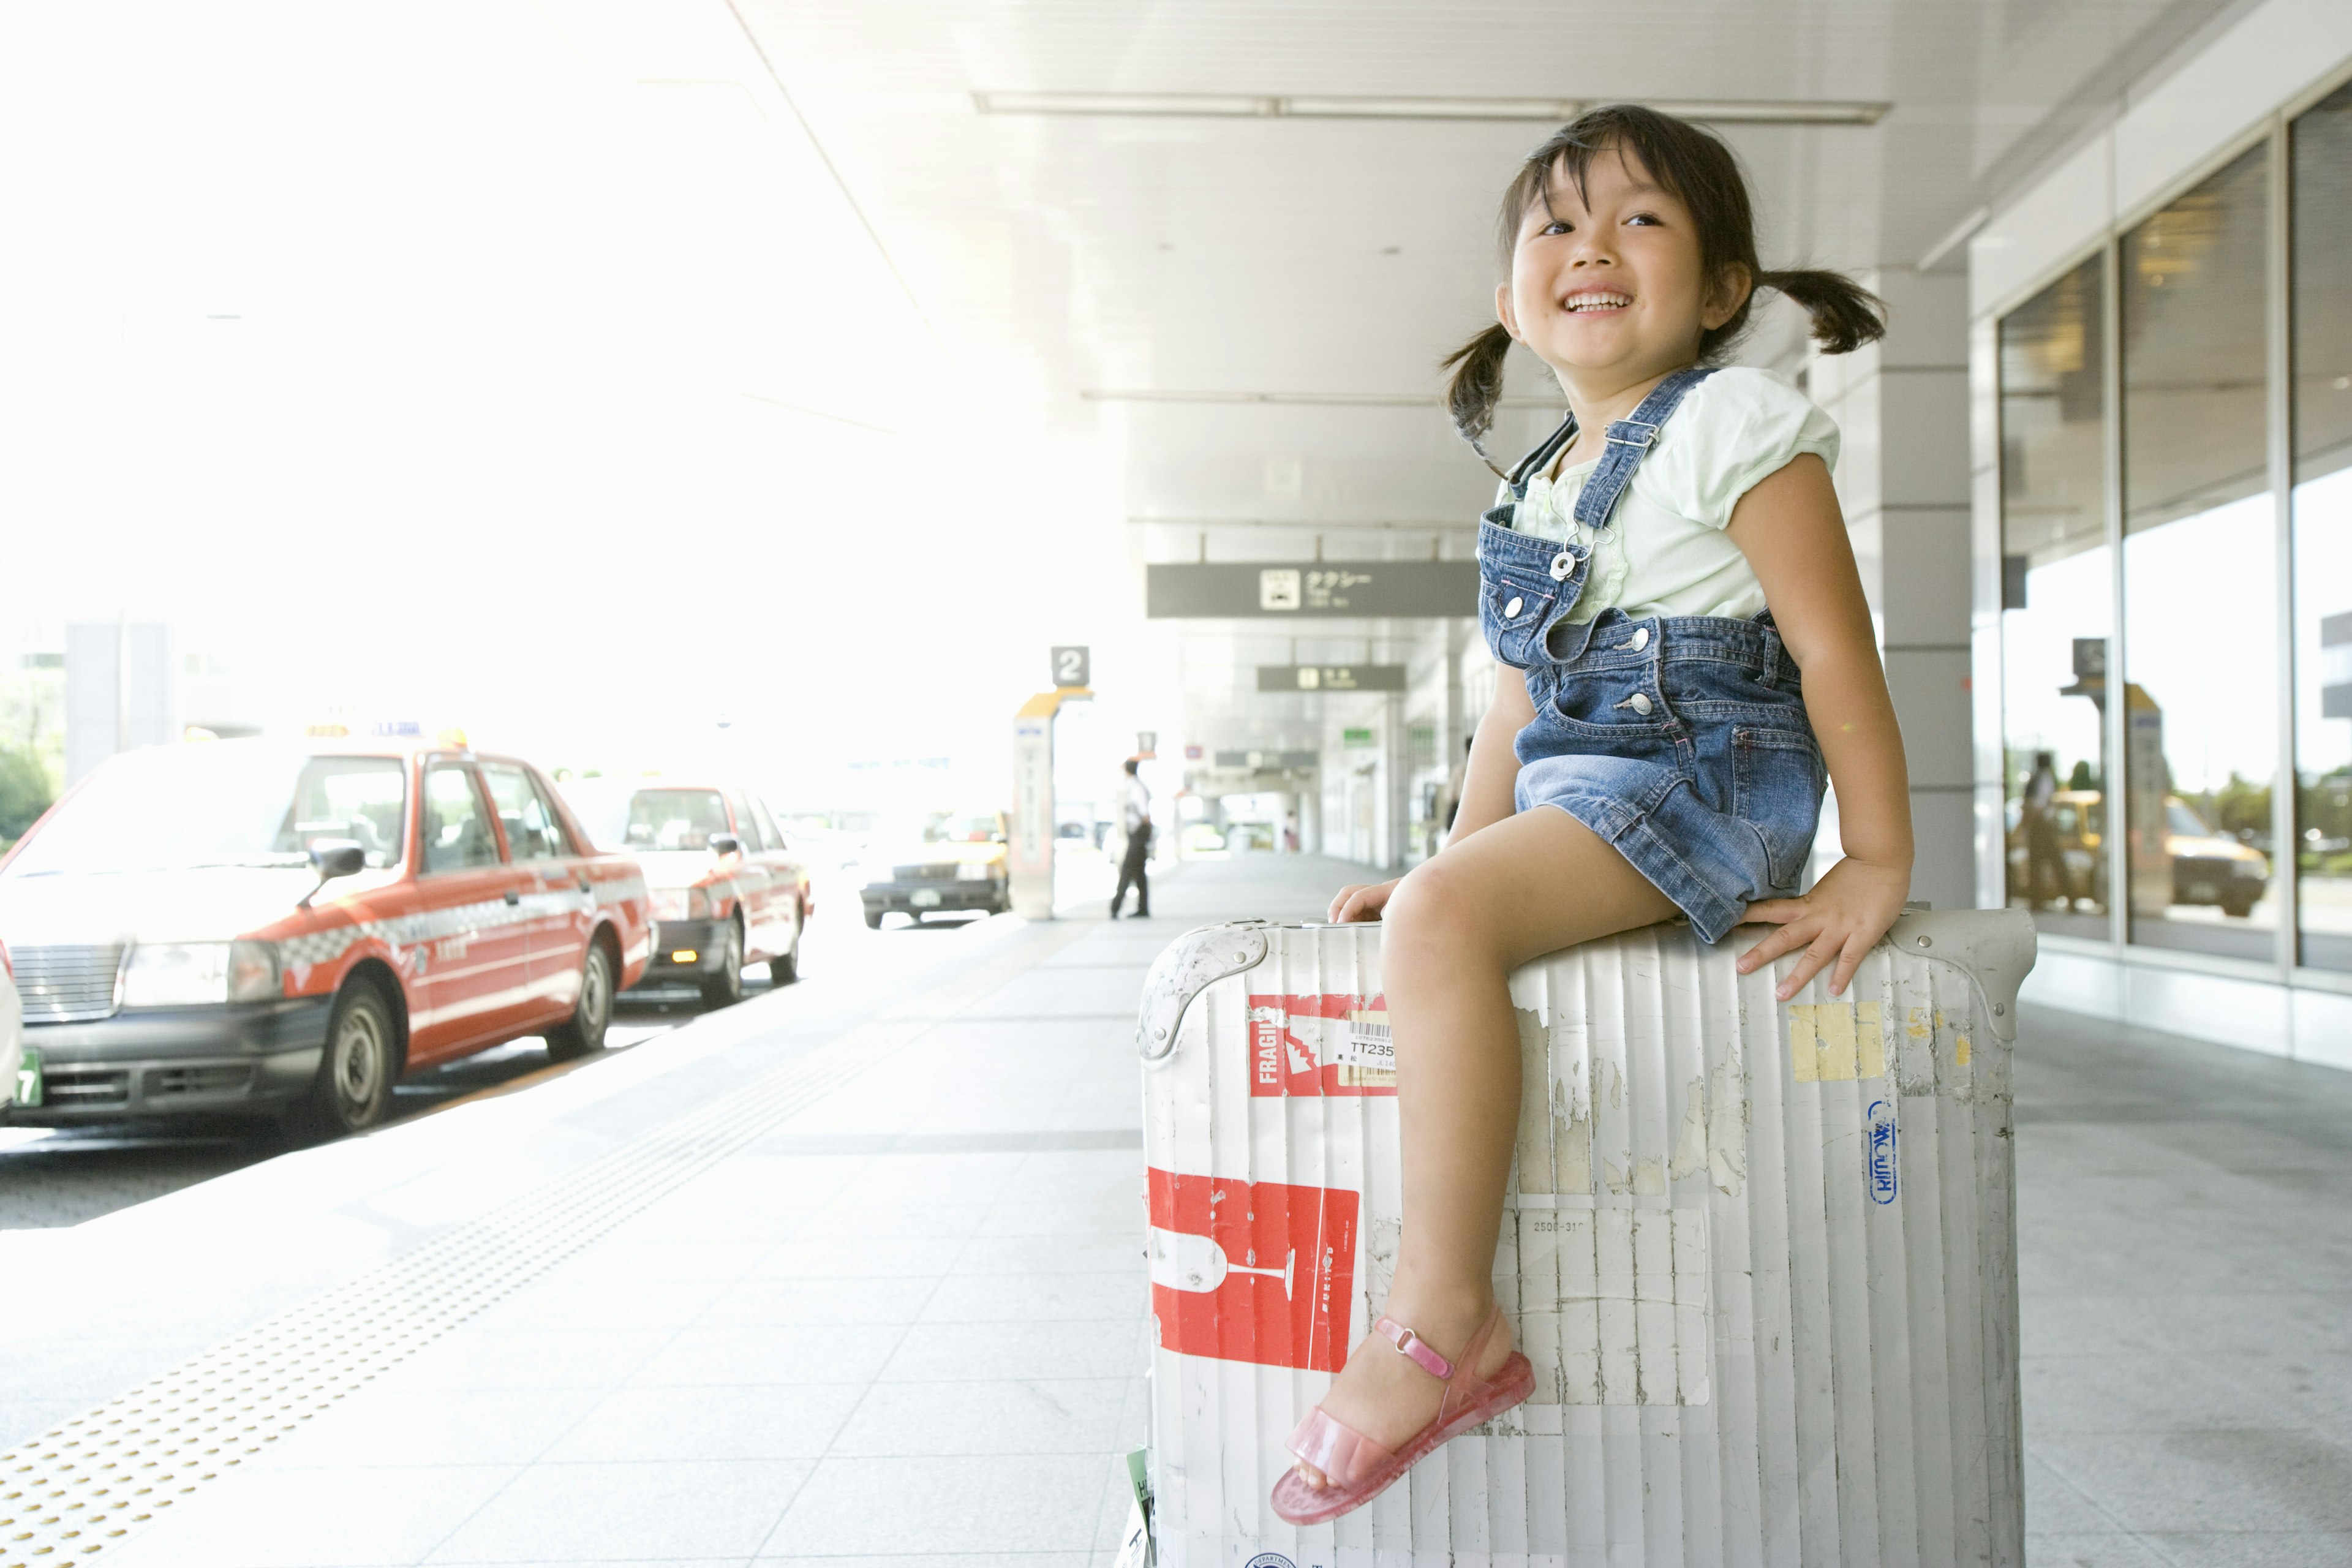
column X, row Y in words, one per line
column 1660, row 755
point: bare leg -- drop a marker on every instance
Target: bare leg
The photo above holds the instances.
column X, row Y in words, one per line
column 1457, row 926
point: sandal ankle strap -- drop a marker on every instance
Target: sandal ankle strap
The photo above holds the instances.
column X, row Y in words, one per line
column 1413, row 1345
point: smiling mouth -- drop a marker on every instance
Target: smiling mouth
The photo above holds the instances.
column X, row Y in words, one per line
column 1585, row 304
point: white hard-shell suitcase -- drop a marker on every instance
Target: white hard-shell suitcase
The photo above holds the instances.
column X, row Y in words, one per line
column 1762, row 1254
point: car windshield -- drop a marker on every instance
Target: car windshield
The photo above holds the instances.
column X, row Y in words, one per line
column 652, row 818
column 972, row 828
column 2185, row 822
column 230, row 803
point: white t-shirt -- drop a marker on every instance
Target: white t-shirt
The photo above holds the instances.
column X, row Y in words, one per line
column 1665, row 552
column 1138, row 806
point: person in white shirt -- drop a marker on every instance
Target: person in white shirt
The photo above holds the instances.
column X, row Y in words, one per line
column 1133, row 871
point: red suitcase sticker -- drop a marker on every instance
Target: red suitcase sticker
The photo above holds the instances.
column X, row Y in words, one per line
column 1260, row 1271
column 1326, row 1044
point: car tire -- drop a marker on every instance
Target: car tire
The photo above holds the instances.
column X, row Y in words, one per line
column 583, row 1034
column 725, row 988
column 357, row 1066
column 2238, row 909
column 786, row 968
column 874, row 920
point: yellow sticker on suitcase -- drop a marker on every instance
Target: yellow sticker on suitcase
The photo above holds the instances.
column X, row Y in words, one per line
column 1830, row 1042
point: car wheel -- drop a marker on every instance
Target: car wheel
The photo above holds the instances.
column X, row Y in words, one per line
column 2238, row 907
column 583, row 1032
column 784, row 970
column 353, row 1089
column 725, row 988
column 874, row 920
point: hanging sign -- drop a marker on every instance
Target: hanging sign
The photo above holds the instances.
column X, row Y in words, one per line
column 1361, row 588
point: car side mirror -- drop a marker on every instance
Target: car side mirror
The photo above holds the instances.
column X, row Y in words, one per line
column 996, row 838
column 726, row 844
column 330, row 858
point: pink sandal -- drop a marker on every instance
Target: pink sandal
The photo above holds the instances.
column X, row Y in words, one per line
column 1360, row 1469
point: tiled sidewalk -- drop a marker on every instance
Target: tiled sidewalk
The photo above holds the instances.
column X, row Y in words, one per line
column 906, row 1326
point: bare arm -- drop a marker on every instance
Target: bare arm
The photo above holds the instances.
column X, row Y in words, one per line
column 1790, row 529
column 1488, row 787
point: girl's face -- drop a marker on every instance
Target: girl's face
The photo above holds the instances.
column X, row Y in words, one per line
column 1608, row 284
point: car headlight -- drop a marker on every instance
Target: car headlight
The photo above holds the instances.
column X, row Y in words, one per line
column 682, row 904
column 186, row 974
column 975, row 871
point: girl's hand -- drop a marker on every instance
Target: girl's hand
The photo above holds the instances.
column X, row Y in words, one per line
column 1843, row 918
column 1362, row 900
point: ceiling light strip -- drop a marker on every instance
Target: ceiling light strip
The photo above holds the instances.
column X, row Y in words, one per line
column 1549, row 110
column 1301, row 399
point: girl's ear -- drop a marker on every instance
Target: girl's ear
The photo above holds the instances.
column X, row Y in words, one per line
column 1732, row 287
column 1504, row 313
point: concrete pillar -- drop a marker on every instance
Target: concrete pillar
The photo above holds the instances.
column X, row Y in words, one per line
column 1902, row 404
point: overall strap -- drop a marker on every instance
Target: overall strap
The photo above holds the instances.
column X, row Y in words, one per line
column 1535, row 462
column 1629, row 441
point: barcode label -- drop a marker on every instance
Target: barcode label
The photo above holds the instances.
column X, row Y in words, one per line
column 1367, row 1043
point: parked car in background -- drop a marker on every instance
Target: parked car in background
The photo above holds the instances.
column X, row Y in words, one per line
column 948, row 862
column 251, row 924
column 726, row 891
column 2079, row 871
column 2208, row 868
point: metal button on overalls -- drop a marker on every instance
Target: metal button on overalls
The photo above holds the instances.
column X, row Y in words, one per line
column 1638, row 703
column 1562, row 565
column 1514, row 608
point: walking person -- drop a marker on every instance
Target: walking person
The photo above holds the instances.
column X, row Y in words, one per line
column 1668, row 585
column 2045, row 863
column 1134, row 868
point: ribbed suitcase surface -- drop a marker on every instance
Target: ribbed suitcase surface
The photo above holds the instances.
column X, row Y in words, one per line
column 1762, row 1254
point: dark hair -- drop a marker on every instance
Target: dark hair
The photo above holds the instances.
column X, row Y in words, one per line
column 1133, row 764
column 1699, row 171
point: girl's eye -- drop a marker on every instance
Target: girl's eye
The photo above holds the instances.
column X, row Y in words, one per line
column 1555, row 226
column 1650, row 219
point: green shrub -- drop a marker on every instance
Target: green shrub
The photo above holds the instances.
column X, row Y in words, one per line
column 25, row 793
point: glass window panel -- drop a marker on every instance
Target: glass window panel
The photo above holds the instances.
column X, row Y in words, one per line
column 2057, row 598
column 533, row 833
column 2200, row 571
column 2320, row 313
column 457, row 832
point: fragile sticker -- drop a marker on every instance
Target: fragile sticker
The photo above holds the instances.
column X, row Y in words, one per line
column 1331, row 1044
column 1253, row 1272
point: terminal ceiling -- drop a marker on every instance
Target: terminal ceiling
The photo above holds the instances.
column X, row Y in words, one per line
column 1248, row 309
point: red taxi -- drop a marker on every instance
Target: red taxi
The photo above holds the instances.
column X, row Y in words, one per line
column 725, row 892
column 248, row 925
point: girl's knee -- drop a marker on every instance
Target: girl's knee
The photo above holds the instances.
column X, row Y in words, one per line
column 1435, row 910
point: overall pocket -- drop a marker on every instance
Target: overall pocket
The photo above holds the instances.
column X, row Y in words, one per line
column 1777, row 779
column 1512, row 615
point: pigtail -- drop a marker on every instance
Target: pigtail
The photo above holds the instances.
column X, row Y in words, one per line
column 1476, row 386
column 1846, row 315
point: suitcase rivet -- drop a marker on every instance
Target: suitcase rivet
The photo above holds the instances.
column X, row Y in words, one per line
column 1999, row 1009
column 1924, row 940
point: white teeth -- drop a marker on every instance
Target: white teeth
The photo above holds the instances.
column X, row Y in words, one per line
column 1597, row 301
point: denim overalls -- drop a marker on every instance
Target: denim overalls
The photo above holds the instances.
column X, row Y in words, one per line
column 1681, row 740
